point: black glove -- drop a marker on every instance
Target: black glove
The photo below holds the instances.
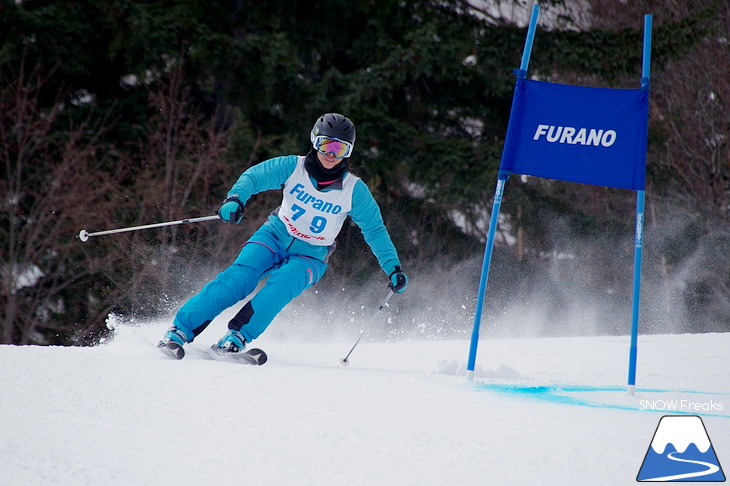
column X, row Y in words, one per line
column 398, row 280
column 231, row 211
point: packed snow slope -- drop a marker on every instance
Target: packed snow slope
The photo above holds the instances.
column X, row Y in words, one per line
column 540, row 411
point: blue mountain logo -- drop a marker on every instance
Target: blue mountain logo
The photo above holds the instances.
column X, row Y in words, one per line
column 681, row 451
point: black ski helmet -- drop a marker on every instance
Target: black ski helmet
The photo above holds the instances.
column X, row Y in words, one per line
column 334, row 125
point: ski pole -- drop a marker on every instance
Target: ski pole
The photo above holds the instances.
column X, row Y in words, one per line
column 343, row 361
column 85, row 235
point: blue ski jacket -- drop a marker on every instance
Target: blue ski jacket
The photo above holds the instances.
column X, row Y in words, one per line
column 365, row 212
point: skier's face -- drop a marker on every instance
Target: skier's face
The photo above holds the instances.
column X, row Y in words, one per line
column 328, row 161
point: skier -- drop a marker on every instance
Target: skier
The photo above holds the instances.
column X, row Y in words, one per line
column 293, row 245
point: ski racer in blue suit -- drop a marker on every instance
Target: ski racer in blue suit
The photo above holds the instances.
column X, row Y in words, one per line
column 292, row 247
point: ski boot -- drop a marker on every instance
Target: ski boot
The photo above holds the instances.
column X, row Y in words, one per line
column 172, row 343
column 232, row 342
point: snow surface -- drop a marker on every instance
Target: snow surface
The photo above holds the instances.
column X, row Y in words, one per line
column 540, row 411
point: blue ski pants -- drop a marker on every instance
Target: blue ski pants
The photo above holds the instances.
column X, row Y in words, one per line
column 262, row 255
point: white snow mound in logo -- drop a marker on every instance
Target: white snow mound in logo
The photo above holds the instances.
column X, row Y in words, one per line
column 680, row 431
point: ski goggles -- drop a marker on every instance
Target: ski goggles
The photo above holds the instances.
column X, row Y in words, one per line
column 330, row 145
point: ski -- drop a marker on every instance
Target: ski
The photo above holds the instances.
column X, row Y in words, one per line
column 172, row 349
column 253, row 356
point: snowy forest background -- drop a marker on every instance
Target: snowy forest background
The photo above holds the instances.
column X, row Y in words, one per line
column 121, row 113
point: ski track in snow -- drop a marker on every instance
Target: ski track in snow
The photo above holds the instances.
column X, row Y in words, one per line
column 540, row 411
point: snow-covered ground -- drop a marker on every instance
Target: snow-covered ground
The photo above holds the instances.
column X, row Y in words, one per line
column 540, row 411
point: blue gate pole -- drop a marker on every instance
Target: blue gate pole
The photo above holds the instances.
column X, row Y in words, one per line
column 639, row 237
column 527, row 50
column 638, row 245
column 471, row 363
column 484, row 277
